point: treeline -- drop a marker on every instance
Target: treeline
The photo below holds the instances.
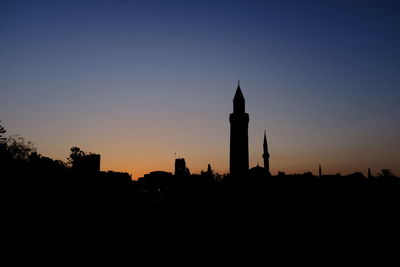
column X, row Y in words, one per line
column 21, row 164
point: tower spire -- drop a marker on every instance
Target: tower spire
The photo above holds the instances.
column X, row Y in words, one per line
column 265, row 138
column 320, row 171
column 266, row 155
column 238, row 101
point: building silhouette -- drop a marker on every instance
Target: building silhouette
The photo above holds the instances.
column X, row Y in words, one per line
column 209, row 169
column 257, row 172
column 266, row 156
column 180, row 167
column 239, row 140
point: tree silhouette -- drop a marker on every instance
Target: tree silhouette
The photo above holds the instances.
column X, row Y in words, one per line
column 76, row 154
column 2, row 136
column 17, row 148
column 3, row 152
column 385, row 173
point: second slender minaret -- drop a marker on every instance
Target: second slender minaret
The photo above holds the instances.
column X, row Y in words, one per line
column 239, row 147
column 266, row 156
column 319, row 171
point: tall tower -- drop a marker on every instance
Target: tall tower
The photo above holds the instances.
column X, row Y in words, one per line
column 266, row 156
column 239, row 148
column 180, row 167
column 319, row 171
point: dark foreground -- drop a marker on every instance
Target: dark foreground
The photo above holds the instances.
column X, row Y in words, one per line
column 254, row 220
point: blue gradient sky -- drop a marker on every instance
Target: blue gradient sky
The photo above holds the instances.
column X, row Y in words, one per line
column 138, row 81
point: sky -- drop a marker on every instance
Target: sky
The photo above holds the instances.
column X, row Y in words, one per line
column 144, row 82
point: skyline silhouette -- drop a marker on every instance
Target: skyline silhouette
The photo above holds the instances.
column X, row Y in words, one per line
column 138, row 81
column 17, row 148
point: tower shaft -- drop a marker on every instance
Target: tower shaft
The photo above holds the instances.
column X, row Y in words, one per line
column 239, row 140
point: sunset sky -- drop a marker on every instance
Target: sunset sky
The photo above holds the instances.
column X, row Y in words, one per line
column 138, row 81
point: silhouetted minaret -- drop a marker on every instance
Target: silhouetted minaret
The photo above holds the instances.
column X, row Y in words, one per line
column 369, row 173
column 319, row 171
column 239, row 148
column 266, row 155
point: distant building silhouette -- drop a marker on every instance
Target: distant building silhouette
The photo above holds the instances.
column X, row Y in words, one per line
column 239, row 143
column 155, row 175
column 369, row 173
column 266, row 155
column 209, row 173
column 209, row 170
column 155, row 182
column 180, row 167
column 257, row 172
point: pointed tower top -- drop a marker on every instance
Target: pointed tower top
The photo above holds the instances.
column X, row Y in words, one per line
column 238, row 101
column 265, row 137
column 238, row 95
column 265, row 140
